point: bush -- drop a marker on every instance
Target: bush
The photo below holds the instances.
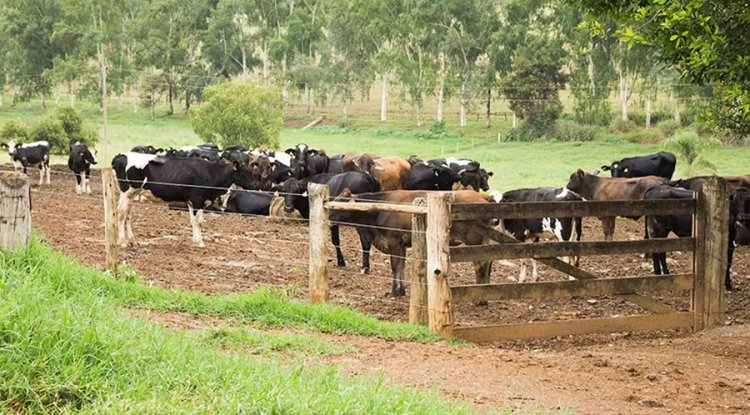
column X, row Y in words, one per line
column 639, row 118
column 246, row 114
column 71, row 121
column 668, row 127
column 14, row 130
column 643, row 136
column 51, row 130
column 437, row 130
column 622, row 126
column 572, row 131
column 522, row 134
column 690, row 148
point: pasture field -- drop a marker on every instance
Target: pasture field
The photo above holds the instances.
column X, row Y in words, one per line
column 515, row 164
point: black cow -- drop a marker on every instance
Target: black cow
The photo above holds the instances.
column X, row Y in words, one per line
column 249, row 203
column 34, row 154
column 307, row 162
column 335, row 163
column 236, row 153
column 431, row 175
column 473, row 176
column 682, row 225
column 149, row 149
column 295, row 197
column 660, row 164
column 80, row 159
column 209, row 154
column 282, row 169
column 561, row 229
column 166, row 179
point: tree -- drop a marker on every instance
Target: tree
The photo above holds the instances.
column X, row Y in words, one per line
column 592, row 75
column 706, row 41
column 691, row 148
column 246, row 114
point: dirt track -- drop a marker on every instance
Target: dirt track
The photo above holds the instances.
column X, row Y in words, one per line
column 632, row 372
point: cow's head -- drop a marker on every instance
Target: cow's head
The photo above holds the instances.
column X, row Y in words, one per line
column 10, row 146
column 740, row 206
column 617, row 169
column 414, row 159
column 484, row 179
column 366, row 164
column 576, row 180
column 292, row 189
column 444, row 176
column 471, row 175
column 299, row 155
column 241, row 175
column 261, row 170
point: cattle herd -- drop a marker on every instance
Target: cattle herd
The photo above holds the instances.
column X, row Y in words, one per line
column 237, row 179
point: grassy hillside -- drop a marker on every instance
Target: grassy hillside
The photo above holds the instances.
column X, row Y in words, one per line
column 67, row 347
column 516, row 164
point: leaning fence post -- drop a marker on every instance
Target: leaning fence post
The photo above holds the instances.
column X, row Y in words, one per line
column 438, row 263
column 320, row 234
column 15, row 211
column 109, row 193
column 716, row 243
column 418, row 267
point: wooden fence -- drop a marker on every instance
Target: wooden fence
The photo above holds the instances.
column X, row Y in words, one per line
column 431, row 240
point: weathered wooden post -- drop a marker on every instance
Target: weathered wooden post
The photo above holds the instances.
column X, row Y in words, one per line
column 699, row 254
column 716, row 230
column 418, row 267
column 110, row 195
column 438, row 263
column 320, row 234
column 15, row 211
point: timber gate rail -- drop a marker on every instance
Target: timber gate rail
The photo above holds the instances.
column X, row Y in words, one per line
column 432, row 296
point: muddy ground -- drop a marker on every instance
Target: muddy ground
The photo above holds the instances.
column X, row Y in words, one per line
column 634, row 372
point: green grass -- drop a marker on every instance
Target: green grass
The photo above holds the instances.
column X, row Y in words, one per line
column 66, row 347
column 268, row 342
column 515, row 164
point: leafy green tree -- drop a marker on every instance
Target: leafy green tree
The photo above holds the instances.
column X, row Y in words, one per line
column 592, row 75
column 14, row 130
column 246, row 114
column 229, row 37
column 691, row 149
column 50, row 129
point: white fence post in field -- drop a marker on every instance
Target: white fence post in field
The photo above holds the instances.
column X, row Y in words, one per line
column 15, row 211
column 320, row 234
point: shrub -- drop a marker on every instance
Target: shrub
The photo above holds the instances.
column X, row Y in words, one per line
column 246, row 114
column 622, row 126
column 51, row 130
column 522, row 134
column 71, row 121
column 639, row 118
column 572, row 131
column 668, row 127
column 643, row 136
column 689, row 147
column 14, row 130
column 437, row 130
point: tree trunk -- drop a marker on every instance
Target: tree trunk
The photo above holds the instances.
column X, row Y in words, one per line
column 677, row 116
column 119, row 102
column 308, row 94
column 57, row 94
column 153, row 104
column 441, row 88
column 623, row 95
column 285, row 84
column 13, row 96
column 462, row 109
column 135, row 97
column 105, row 114
column 187, row 101
column 515, row 123
column 384, row 97
column 418, row 108
column 1, row 98
column 244, row 65
column 72, row 94
column 44, row 100
column 266, row 63
column 488, row 119
column 648, row 111
column 170, row 91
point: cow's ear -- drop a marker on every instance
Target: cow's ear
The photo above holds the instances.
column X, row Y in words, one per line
column 378, row 167
column 605, row 168
column 437, row 172
column 313, row 152
column 236, row 165
column 357, row 163
column 489, row 173
column 625, row 169
column 290, row 151
column 580, row 173
column 346, row 193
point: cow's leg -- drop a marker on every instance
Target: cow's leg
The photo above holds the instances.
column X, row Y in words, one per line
column 730, row 254
column 46, row 168
column 336, row 240
column 663, row 262
column 534, row 270
column 78, row 182
column 41, row 174
column 398, row 287
column 88, row 180
column 366, row 242
column 522, row 273
column 195, row 218
column 482, row 271
column 608, row 226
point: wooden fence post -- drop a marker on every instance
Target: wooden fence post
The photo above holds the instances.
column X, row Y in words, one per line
column 15, row 211
column 110, row 195
column 418, row 268
column 699, row 256
column 715, row 245
column 320, row 234
column 438, row 263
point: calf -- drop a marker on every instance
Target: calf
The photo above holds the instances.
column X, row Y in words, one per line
column 80, row 159
column 335, row 163
column 295, row 197
column 431, row 175
column 391, row 172
column 473, row 176
column 661, row 164
column 261, row 172
column 146, row 149
column 165, row 179
column 682, row 225
column 249, row 203
column 592, row 187
column 35, row 154
column 390, row 232
column 561, row 229
column 307, row 162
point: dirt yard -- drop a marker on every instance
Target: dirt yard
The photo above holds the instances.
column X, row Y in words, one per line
column 660, row 372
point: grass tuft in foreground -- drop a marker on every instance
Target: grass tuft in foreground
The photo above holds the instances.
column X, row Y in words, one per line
column 66, row 347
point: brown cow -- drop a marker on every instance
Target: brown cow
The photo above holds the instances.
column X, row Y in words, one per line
column 391, row 231
column 592, row 187
column 261, row 172
column 392, row 172
column 696, row 183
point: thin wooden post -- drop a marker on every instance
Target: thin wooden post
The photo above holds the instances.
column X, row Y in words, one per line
column 110, row 194
column 438, row 263
column 15, row 211
column 418, row 268
column 716, row 244
column 320, row 234
column 699, row 267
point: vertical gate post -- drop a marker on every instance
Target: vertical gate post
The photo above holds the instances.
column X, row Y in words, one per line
column 716, row 243
column 699, row 256
column 15, row 211
column 320, row 234
column 109, row 193
column 418, row 268
column 438, row 263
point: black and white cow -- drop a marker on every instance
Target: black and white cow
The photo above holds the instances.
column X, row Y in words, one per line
column 473, row 176
column 149, row 149
column 249, row 203
column 431, row 175
column 307, row 162
column 295, row 197
column 282, row 167
column 560, row 229
column 166, row 179
column 682, row 225
column 30, row 154
column 80, row 159
column 660, row 164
